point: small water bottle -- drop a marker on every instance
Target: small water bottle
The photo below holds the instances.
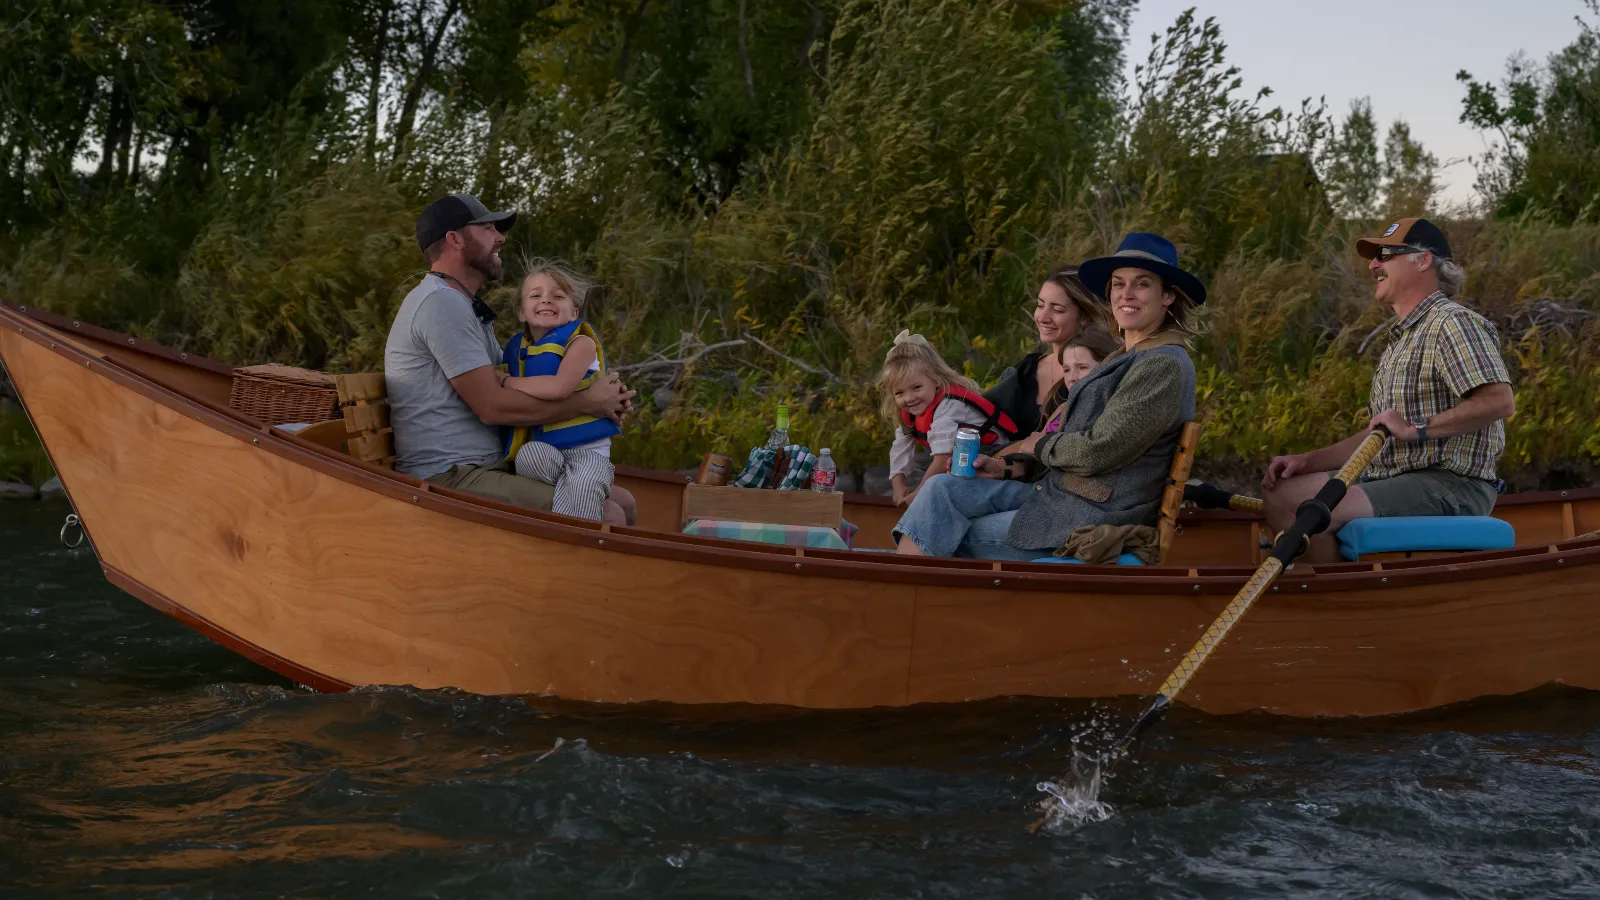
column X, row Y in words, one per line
column 825, row 475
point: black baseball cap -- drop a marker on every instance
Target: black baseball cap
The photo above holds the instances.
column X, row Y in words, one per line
column 1418, row 233
column 457, row 211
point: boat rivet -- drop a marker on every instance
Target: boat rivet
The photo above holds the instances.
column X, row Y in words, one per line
column 22, row 308
column 255, row 440
column 183, row 356
column 1197, row 588
column 86, row 364
column 1384, row 580
column 1563, row 493
column 74, row 324
column 414, row 499
column 997, row 582
column 1274, row 588
column 1561, row 562
column 130, row 340
column 602, row 542
column 52, row 345
column 1305, row 587
column 797, row 565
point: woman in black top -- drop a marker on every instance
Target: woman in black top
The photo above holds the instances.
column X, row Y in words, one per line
column 1064, row 305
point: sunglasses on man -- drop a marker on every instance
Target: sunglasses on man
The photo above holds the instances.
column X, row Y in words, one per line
column 1384, row 254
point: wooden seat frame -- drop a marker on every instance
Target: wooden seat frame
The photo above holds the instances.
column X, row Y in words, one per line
column 1177, row 477
column 364, row 398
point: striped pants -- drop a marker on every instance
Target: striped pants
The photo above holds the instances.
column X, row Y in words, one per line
column 582, row 478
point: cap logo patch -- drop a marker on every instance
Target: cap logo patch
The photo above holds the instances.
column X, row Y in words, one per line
column 1392, row 229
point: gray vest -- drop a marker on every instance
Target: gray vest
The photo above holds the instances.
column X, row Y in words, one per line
column 1052, row 513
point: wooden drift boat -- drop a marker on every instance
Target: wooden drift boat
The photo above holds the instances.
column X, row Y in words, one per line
column 335, row 572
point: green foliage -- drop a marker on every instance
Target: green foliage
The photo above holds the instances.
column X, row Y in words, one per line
column 22, row 458
column 767, row 193
column 1353, row 170
column 1546, row 119
column 1410, row 174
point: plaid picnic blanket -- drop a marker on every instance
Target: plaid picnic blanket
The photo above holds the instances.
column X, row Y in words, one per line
column 759, row 466
column 814, row 536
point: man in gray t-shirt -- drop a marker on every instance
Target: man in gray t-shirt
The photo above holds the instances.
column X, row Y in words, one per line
column 436, row 337
column 447, row 399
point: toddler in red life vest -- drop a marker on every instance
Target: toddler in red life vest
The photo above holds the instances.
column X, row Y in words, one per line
column 557, row 354
column 927, row 400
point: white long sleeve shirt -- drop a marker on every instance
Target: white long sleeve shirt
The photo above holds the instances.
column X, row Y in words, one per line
column 947, row 417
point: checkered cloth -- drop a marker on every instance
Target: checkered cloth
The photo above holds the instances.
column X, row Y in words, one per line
column 1436, row 355
column 814, row 536
column 759, row 466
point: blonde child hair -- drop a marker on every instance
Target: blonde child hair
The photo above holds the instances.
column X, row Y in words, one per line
column 912, row 354
column 576, row 286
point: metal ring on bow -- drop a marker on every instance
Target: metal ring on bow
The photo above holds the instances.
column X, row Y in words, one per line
column 72, row 522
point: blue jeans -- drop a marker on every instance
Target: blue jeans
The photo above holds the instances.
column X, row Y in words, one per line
column 966, row 517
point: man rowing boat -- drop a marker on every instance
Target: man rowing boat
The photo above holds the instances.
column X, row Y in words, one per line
column 1441, row 387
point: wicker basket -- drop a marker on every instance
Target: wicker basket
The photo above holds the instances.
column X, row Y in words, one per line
column 279, row 394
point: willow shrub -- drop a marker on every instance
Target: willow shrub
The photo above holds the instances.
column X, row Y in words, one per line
column 939, row 170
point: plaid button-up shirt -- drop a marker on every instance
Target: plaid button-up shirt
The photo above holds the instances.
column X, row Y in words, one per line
column 1436, row 355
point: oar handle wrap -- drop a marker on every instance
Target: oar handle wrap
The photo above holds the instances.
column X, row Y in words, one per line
column 1241, row 503
column 1209, row 496
column 1359, row 460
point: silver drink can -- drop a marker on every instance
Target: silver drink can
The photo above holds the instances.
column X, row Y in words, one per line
column 964, row 455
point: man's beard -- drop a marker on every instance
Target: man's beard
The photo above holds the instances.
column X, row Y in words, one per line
column 481, row 257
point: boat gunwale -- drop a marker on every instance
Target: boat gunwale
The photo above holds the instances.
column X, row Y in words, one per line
column 943, row 572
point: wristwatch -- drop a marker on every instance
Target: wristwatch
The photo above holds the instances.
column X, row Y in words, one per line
column 1422, row 431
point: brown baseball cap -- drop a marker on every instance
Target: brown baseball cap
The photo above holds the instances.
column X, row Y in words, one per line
column 1418, row 233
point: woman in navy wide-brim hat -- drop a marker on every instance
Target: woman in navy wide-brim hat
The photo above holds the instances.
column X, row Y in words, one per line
column 1108, row 463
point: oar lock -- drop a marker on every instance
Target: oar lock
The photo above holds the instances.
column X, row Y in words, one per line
column 1305, row 542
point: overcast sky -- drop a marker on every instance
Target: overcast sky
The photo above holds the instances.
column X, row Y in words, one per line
column 1405, row 57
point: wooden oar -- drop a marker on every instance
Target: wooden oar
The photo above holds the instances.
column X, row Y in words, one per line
column 1312, row 517
column 1209, row 496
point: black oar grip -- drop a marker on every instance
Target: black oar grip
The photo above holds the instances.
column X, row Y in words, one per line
column 1315, row 515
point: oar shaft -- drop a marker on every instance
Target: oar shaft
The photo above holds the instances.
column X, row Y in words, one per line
column 1313, row 517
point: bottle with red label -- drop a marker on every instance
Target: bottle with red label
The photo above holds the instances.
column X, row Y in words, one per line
column 825, row 474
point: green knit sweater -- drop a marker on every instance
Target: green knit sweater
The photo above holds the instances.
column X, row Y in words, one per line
column 1143, row 407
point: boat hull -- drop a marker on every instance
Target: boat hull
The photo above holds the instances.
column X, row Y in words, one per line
column 339, row 574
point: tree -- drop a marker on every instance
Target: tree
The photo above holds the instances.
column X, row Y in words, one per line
column 1545, row 127
column 1410, row 174
column 1353, row 173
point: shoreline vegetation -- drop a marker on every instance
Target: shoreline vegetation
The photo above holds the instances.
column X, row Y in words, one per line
column 768, row 195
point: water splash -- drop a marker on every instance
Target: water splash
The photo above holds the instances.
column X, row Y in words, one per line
column 1072, row 800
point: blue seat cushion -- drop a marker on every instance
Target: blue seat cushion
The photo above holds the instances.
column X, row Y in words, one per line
column 1126, row 559
column 1401, row 534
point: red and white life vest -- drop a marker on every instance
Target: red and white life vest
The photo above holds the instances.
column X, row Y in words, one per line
column 990, row 420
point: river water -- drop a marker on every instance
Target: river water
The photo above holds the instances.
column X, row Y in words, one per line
column 139, row 759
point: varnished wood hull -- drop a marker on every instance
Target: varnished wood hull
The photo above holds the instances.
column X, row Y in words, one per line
column 340, row 574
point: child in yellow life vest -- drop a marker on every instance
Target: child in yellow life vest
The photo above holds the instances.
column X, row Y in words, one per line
column 928, row 401
column 558, row 354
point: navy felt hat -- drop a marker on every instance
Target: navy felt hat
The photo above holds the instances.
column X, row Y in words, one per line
column 1141, row 250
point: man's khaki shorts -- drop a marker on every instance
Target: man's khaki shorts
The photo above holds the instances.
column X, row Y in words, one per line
column 497, row 481
column 1430, row 492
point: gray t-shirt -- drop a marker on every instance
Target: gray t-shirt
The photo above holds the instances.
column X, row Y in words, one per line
column 436, row 337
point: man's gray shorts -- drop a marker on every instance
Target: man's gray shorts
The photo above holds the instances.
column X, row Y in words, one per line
column 1430, row 492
